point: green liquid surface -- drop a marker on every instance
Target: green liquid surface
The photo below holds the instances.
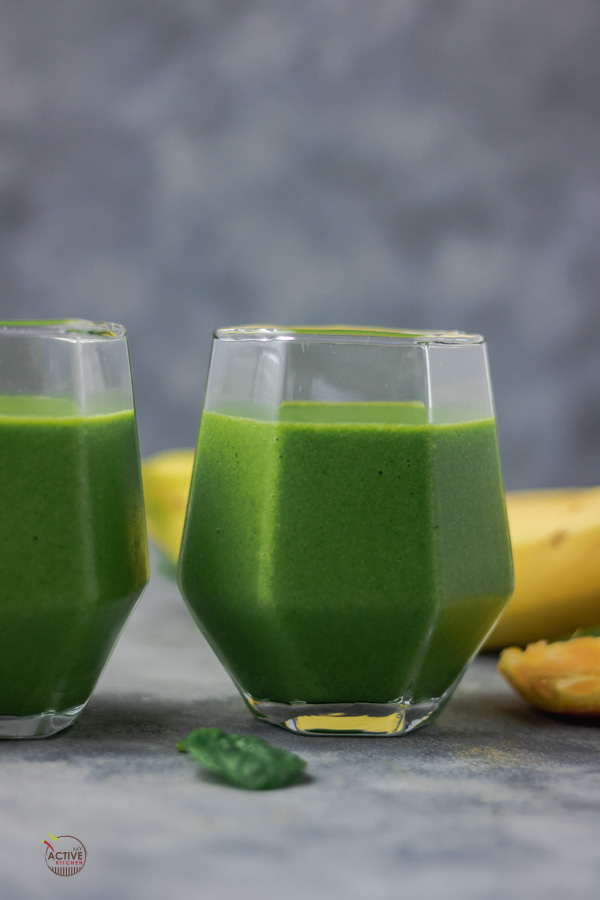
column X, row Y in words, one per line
column 346, row 552
column 73, row 549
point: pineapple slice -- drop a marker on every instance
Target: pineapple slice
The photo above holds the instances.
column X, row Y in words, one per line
column 561, row 677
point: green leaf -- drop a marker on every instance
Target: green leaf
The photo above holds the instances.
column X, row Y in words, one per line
column 587, row 632
column 248, row 762
column 581, row 632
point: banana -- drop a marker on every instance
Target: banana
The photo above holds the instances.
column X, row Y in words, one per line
column 167, row 479
column 555, row 540
column 556, row 549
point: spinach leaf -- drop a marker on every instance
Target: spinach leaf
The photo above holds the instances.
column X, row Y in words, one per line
column 580, row 632
column 248, row 762
column 587, row 632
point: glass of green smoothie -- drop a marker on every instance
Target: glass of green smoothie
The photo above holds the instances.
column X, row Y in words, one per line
column 346, row 548
column 73, row 548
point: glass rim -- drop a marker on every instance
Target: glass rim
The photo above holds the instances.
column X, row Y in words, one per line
column 346, row 334
column 67, row 329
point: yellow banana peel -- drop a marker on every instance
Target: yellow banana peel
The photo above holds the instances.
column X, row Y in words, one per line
column 556, row 549
column 167, row 479
column 555, row 539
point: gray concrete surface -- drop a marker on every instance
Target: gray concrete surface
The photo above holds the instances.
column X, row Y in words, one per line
column 493, row 801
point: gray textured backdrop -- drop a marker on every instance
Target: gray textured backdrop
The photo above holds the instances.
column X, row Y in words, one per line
column 183, row 164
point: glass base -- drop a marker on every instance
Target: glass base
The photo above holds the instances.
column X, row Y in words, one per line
column 40, row 726
column 357, row 719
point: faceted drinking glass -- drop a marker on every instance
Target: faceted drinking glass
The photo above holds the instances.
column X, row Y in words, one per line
column 73, row 547
column 346, row 548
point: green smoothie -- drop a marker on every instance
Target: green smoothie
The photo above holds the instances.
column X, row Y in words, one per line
column 346, row 552
column 73, row 549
